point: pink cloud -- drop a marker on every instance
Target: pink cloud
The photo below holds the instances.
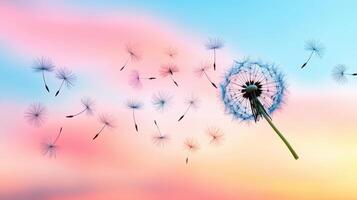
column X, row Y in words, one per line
column 98, row 41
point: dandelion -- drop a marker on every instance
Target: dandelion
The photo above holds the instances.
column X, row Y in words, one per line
column 203, row 71
column 169, row 70
column 315, row 47
column 251, row 90
column 191, row 146
column 192, row 102
column 215, row 135
column 107, row 121
column 159, row 138
column 50, row 147
column 135, row 79
column 339, row 73
column 87, row 104
column 35, row 114
column 67, row 77
column 134, row 105
column 161, row 101
column 43, row 65
column 133, row 56
column 171, row 52
column 214, row 44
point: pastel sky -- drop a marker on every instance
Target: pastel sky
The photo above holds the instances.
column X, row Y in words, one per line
column 318, row 117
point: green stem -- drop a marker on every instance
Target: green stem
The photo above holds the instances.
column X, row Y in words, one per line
column 266, row 116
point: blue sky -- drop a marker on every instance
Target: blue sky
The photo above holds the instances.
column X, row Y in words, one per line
column 270, row 30
column 274, row 31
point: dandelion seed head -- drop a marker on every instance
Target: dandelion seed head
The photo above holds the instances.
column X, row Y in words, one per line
column 67, row 76
column 202, row 69
column 339, row 73
column 214, row 43
column 171, row 52
column 134, row 79
column 49, row 149
column 191, row 144
column 160, row 140
column 161, row 100
column 43, row 64
column 215, row 134
column 107, row 120
column 168, row 69
column 88, row 104
column 193, row 101
column 268, row 84
column 134, row 104
column 315, row 46
column 35, row 114
column 134, row 56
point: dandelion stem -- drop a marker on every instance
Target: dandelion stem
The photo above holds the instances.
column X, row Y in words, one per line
column 267, row 117
column 182, row 116
column 70, row 116
column 307, row 60
column 136, row 125
column 125, row 64
column 157, row 126
column 187, row 158
column 172, row 78
column 213, row 84
column 99, row 131
column 354, row 74
column 59, row 88
column 58, row 135
column 214, row 59
column 44, row 81
column 149, row 78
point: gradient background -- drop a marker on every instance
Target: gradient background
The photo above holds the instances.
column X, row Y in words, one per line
column 252, row 163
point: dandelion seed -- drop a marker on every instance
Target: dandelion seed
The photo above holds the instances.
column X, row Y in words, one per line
column 134, row 105
column 339, row 73
column 161, row 101
column 169, row 70
column 191, row 146
column 43, row 65
column 107, row 121
column 67, row 77
column 171, row 52
column 159, row 139
column 203, row 71
column 192, row 102
column 50, row 147
column 133, row 56
column 35, row 114
column 214, row 44
column 215, row 135
column 251, row 90
column 87, row 104
column 315, row 47
column 135, row 79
